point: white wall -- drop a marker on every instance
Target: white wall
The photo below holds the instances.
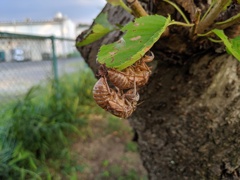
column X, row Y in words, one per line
column 65, row 28
column 59, row 27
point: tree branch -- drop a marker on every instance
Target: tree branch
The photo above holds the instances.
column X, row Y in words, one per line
column 137, row 8
column 213, row 14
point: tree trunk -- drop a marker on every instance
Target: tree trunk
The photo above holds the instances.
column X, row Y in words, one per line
column 188, row 122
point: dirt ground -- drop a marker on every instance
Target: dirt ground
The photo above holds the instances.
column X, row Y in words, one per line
column 108, row 151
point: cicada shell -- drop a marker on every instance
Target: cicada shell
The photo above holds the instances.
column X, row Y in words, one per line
column 122, row 100
column 114, row 101
column 121, row 79
column 138, row 73
column 132, row 95
column 101, row 93
column 121, row 108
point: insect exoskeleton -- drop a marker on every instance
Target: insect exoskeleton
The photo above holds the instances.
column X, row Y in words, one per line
column 120, row 78
column 133, row 98
column 122, row 100
column 101, row 93
column 121, row 108
column 111, row 100
column 139, row 72
column 132, row 95
column 126, row 103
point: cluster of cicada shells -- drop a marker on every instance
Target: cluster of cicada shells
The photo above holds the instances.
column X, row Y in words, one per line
column 122, row 100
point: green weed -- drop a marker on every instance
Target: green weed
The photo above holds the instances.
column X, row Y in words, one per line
column 34, row 131
column 118, row 173
column 131, row 146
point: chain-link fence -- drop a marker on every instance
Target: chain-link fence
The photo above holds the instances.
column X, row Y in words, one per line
column 27, row 60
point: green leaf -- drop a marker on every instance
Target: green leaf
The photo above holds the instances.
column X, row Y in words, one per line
column 233, row 46
column 99, row 29
column 236, row 43
column 138, row 39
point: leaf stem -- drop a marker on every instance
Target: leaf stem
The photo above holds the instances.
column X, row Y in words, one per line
column 215, row 40
column 178, row 9
column 205, row 34
column 211, row 16
column 137, row 8
column 180, row 23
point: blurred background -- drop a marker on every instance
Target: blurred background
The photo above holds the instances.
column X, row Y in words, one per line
column 50, row 127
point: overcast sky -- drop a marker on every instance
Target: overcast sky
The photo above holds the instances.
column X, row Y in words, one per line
column 80, row 11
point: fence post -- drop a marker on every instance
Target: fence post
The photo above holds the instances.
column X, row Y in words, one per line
column 54, row 59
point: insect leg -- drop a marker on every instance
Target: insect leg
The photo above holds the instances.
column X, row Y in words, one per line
column 119, row 91
column 132, row 94
column 105, row 81
column 148, row 58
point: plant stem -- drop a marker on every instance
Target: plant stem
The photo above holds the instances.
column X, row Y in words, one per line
column 196, row 22
column 124, row 6
column 205, row 34
column 206, row 13
column 211, row 16
column 178, row 9
column 137, row 8
column 227, row 23
column 180, row 24
column 215, row 40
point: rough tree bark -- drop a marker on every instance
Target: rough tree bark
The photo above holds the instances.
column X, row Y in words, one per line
column 188, row 125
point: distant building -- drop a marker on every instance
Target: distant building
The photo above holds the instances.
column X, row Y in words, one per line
column 59, row 26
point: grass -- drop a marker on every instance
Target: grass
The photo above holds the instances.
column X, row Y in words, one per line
column 58, row 132
column 35, row 129
column 131, row 146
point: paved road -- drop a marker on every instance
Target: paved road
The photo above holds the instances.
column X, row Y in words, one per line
column 17, row 77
